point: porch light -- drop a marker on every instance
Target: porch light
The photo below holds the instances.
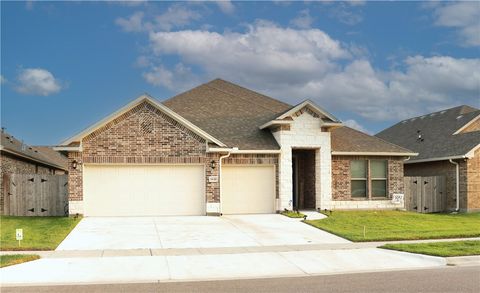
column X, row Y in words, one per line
column 213, row 164
column 74, row 164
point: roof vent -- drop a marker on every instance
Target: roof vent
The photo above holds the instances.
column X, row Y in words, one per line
column 404, row 121
column 459, row 117
column 413, row 119
column 419, row 136
column 443, row 112
column 433, row 114
column 422, row 117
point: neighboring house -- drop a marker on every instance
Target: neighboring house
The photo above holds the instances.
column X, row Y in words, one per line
column 448, row 143
column 18, row 158
column 223, row 149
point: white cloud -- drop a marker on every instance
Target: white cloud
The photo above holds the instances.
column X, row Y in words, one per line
column 303, row 20
column 464, row 16
column 132, row 24
column 131, row 3
column 175, row 16
column 347, row 13
column 355, row 125
column 29, row 5
column 293, row 65
column 37, row 81
column 226, row 6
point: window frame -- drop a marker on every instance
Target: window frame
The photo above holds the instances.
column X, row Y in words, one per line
column 365, row 179
column 369, row 179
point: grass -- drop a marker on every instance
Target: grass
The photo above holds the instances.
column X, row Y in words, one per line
column 398, row 225
column 292, row 214
column 14, row 259
column 449, row 248
column 39, row 233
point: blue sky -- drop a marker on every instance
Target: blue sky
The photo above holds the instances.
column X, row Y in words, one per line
column 66, row 65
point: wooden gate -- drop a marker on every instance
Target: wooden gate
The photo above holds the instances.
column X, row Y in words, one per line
column 425, row 194
column 36, row 195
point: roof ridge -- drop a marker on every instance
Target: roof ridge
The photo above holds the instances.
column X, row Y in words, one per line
column 230, row 94
column 443, row 110
column 249, row 90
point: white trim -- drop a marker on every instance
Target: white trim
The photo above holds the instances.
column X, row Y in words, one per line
column 466, row 125
column 237, row 151
column 332, row 124
column 68, row 149
column 436, row 159
column 315, row 107
column 471, row 153
column 372, row 154
column 275, row 122
column 137, row 101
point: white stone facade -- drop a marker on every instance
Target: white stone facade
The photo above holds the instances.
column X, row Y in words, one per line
column 305, row 133
column 75, row 207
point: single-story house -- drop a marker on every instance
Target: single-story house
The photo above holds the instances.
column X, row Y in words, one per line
column 17, row 157
column 448, row 144
column 223, row 149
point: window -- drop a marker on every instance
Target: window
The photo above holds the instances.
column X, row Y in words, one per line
column 358, row 173
column 378, row 174
column 368, row 178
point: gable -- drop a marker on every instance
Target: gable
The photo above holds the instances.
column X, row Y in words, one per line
column 143, row 131
column 117, row 116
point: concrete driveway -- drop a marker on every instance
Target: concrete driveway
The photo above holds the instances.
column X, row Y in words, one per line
column 192, row 232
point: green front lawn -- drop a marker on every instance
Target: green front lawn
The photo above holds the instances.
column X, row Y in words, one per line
column 13, row 259
column 39, row 233
column 452, row 248
column 398, row 225
column 292, row 214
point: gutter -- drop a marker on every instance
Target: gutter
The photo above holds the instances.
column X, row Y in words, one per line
column 237, row 151
column 457, row 184
column 220, row 175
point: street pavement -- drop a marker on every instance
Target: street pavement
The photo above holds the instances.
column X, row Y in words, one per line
column 438, row 280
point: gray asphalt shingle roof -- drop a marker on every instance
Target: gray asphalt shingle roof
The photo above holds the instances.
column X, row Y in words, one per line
column 41, row 154
column 233, row 115
column 437, row 131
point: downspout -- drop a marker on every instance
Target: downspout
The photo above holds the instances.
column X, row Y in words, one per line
column 457, row 183
column 220, row 176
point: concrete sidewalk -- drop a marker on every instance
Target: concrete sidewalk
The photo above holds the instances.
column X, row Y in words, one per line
column 167, row 268
column 219, row 250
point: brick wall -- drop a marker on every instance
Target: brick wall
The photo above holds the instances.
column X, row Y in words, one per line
column 475, row 126
column 145, row 135
column 473, row 178
column 341, row 186
column 447, row 169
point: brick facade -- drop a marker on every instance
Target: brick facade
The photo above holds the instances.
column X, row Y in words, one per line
column 144, row 135
column 469, row 180
column 341, row 184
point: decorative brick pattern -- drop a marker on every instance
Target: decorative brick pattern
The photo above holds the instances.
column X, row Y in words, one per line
column 341, row 175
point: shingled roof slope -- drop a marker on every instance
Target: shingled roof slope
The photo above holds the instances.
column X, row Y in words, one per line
column 230, row 113
column 437, row 134
column 43, row 155
column 346, row 139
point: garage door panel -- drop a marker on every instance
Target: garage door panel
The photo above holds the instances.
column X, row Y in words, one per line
column 248, row 189
column 144, row 190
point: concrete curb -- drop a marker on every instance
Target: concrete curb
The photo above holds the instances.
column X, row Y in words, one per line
column 472, row 260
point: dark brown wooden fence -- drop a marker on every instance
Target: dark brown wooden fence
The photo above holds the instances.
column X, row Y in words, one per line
column 36, row 195
column 425, row 194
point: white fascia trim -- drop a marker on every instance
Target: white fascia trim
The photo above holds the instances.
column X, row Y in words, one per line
column 437, row 159
column 237, row 151
column 275, row 122
column 136, row 102
column 471, row 153
column 67, row 149
column 466, row 125
column 332, row 124
column 373, row 154
column 317, row 108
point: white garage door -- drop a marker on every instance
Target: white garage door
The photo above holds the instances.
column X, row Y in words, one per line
column 248, row 189
column 143, row 190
